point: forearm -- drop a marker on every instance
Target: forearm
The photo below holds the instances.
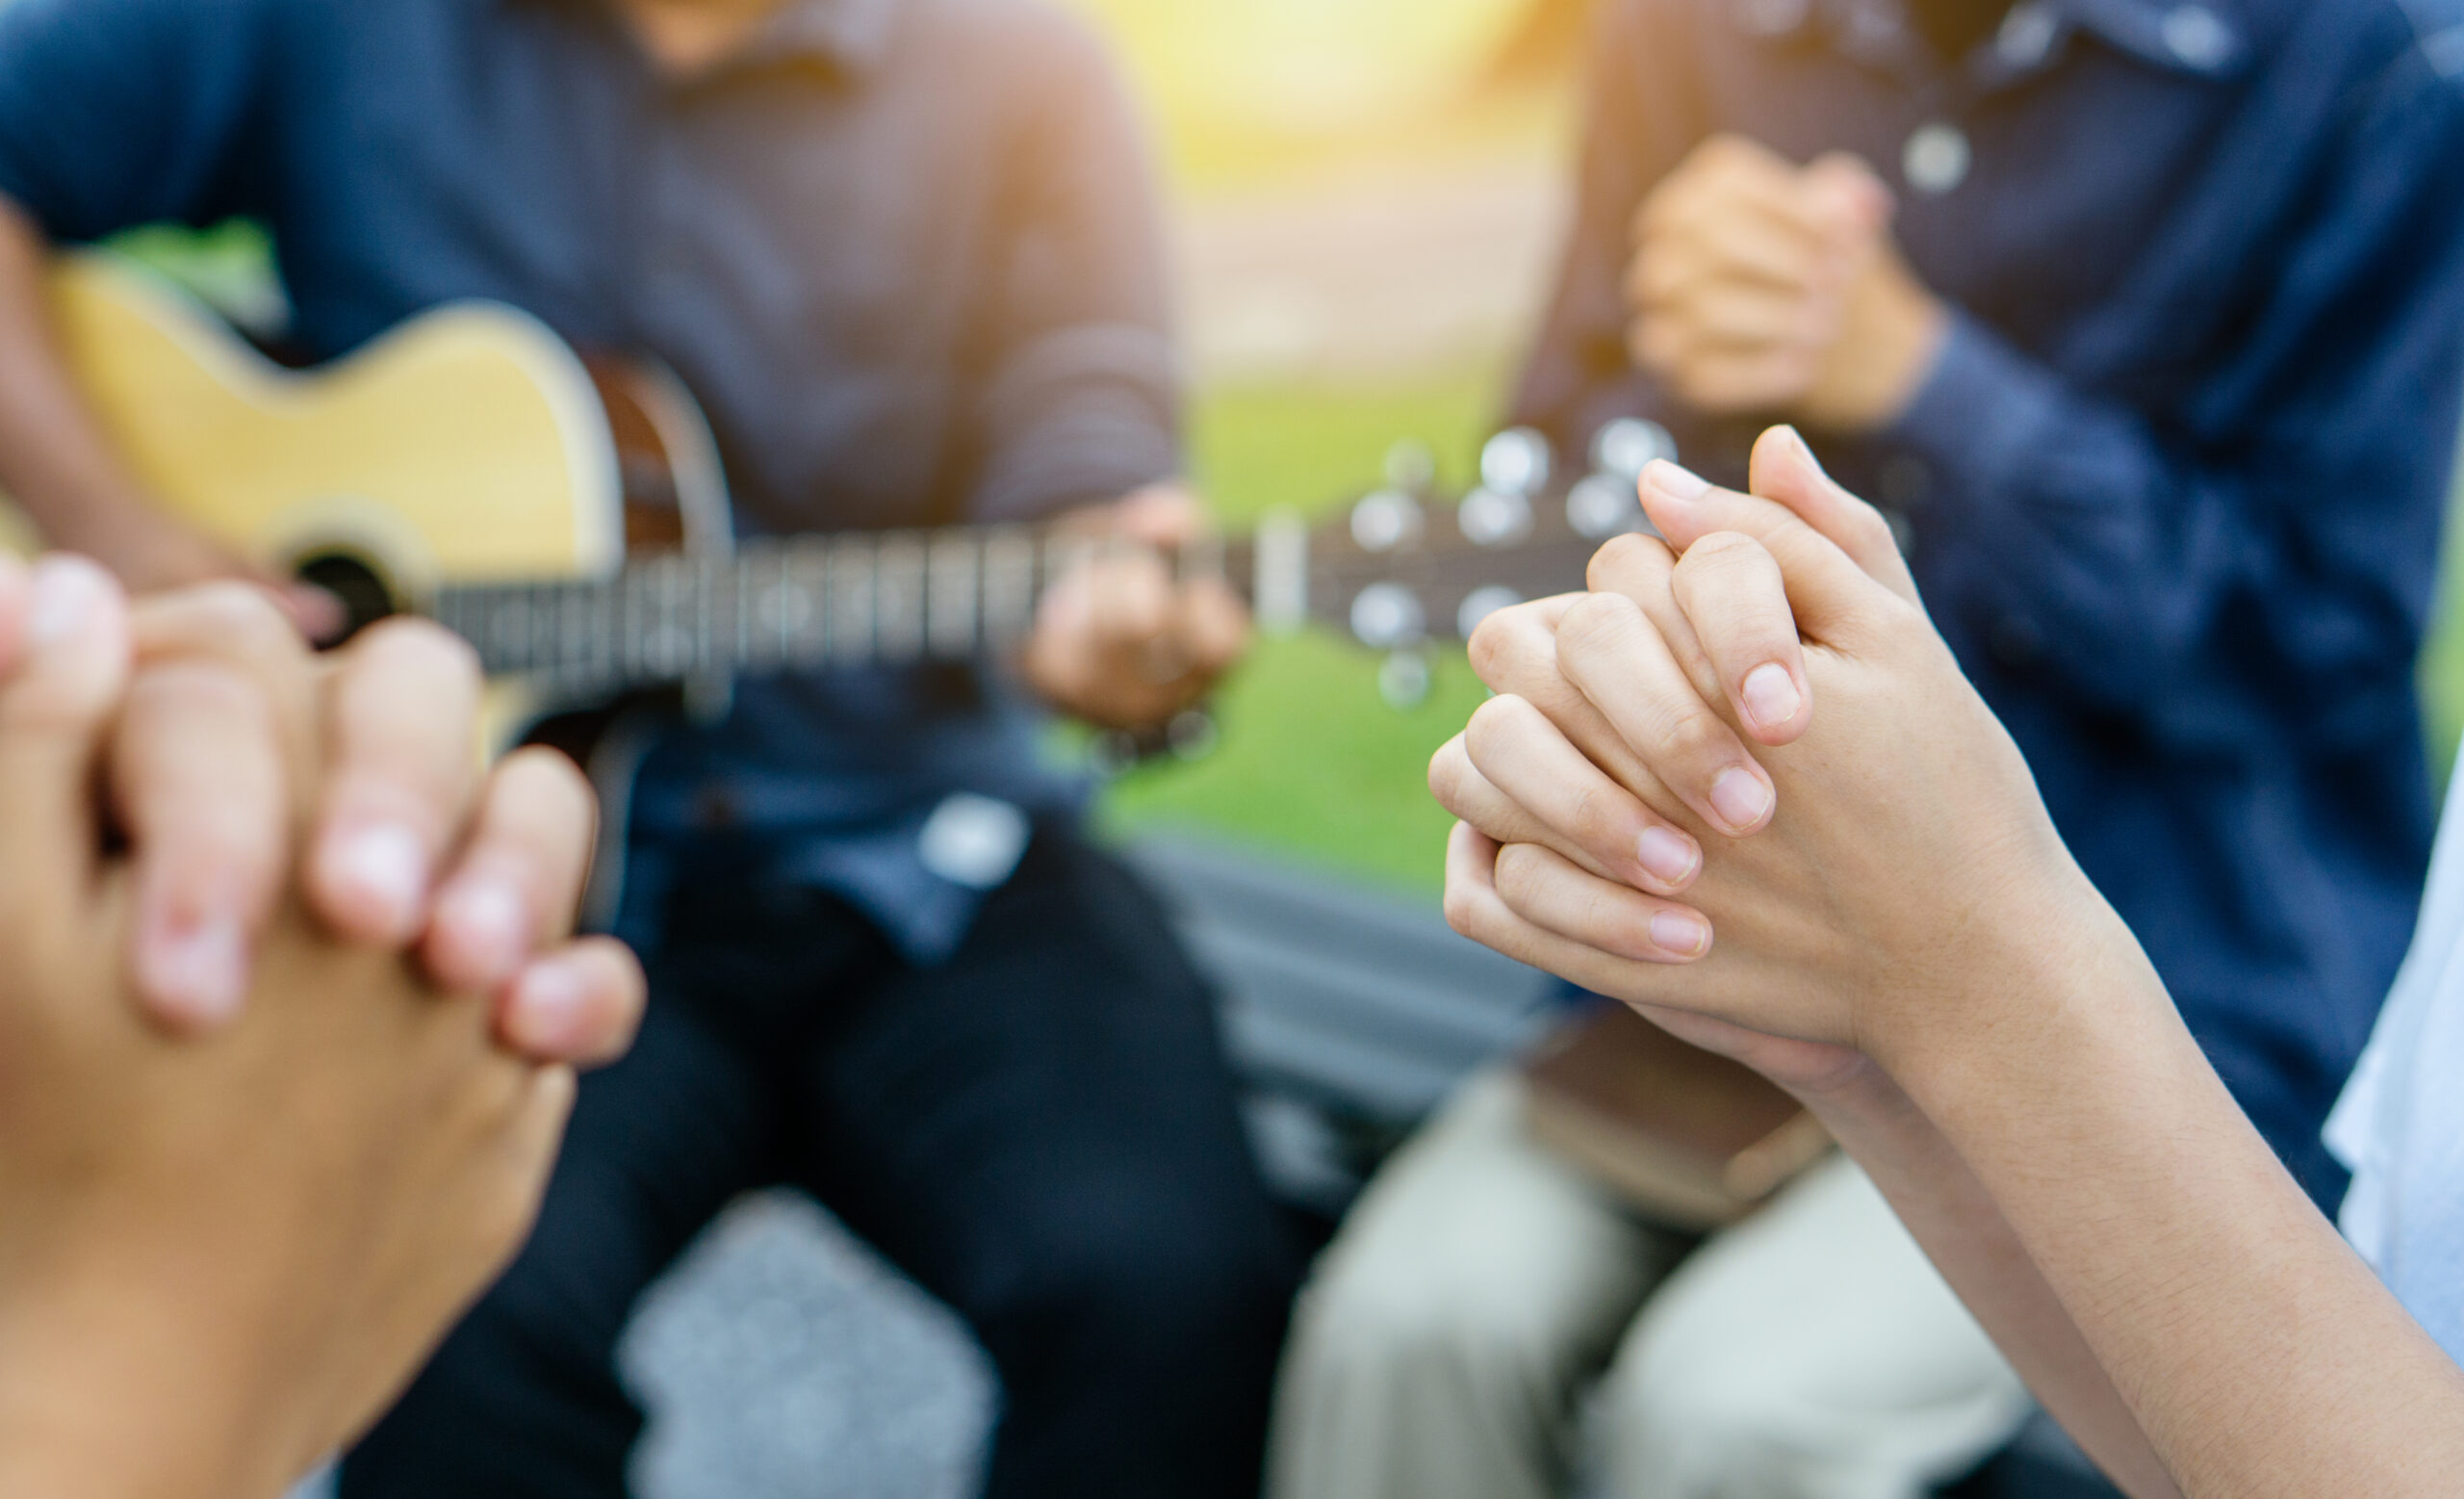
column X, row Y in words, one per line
column 1963, row 1232
column 2253, row 1348
column 55, row 461
column 110, row 1391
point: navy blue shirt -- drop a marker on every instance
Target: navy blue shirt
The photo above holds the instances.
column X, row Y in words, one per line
column 904, row 251
column 2175, row 487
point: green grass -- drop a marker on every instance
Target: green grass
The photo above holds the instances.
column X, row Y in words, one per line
column 2442, row 671
column 1311, row 760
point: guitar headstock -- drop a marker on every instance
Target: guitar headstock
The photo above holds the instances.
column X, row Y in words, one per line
column 1404, row 569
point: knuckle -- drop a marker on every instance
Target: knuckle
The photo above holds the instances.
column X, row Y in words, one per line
column 1867, row 529
column 546, row 790
column 1598, row 820
column 1626, row 559
column 1446, row 774
column 1597, row 621
column 1497, row 641
column 240, row 617
column 408, row 644
column 1494, row 722
column 1689, row 735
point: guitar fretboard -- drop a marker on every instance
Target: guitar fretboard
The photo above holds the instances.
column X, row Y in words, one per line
column 845, row 599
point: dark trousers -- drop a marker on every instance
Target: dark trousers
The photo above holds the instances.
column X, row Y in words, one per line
column 1041, row 1132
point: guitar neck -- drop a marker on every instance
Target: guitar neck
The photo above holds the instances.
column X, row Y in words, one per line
column 837, row 601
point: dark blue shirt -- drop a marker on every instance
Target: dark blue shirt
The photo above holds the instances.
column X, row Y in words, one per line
column 2175, row 485
column 904, row 251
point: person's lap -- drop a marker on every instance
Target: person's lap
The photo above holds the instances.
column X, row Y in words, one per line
column 1042, row 1131
column 1447, row 1343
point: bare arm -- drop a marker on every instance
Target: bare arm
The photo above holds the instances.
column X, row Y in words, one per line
column 54, row 459
column 2256, row 1350
column 2062, row 1145
column 1963, row 1232
column 58, row 464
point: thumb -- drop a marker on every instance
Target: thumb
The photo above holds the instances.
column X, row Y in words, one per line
column 1833, row 600
column 1785, row 469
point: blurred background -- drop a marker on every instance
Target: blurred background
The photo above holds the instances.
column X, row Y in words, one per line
column 1366, row 200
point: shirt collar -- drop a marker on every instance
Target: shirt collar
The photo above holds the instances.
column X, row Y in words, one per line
column 2207, row 38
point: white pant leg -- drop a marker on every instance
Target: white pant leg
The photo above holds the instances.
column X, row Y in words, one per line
column 1442, row 1343
column 1811, row 1351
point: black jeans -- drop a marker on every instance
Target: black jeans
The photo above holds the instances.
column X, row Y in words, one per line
column 1043, row 1132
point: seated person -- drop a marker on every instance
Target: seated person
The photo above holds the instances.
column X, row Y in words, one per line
column 268, row 1123
column 905, row 253
column 1908, row 946
column 2140, row 363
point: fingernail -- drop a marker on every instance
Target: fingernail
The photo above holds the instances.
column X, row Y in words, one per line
column 198, row 971
column 484, row 924
column 1771, row 695
column 65, row 597
column 1671, row 857
column 386, row 865
column 1680, row 934
column 1741, row 798
column 544, row 1016
column 1675, row 482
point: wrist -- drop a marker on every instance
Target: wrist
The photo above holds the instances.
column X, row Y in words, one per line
column 2052, row 986
column 132, row 1383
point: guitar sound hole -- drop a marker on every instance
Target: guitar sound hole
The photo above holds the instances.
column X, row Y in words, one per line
column 363, row 596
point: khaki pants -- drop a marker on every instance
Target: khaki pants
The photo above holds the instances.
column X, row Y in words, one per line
column 1482, row 1289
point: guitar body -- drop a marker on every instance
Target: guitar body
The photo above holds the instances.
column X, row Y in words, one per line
column 469, row 446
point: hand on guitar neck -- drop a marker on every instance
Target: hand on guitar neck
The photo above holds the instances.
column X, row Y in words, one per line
column 58, row 465
column 1118, row 641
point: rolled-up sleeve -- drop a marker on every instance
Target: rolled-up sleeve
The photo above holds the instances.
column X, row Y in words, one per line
column 2208, row 587
column 1083, row 388
column 118, row 112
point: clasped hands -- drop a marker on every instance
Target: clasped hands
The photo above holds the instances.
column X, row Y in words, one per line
column 288, row 1028
column 1760, row 287
column 1742, row 786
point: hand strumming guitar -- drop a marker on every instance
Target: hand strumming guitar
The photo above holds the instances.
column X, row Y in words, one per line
column 56, row 462
column 1118, row 641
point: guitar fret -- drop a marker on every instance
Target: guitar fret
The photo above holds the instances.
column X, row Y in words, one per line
column 812, row 602
column 806, row 571
column 898, row 587
column 951, row 598
column 1009, row 604
column 852, row 560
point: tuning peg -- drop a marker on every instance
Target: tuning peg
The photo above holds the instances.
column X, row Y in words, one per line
column 1386, row 521
column 1516, row 462
column 1411, row 466
column 1479, row 604
column 1193, row 733
column 1494, row 517
column 1601, row 506
column 1626, row 446
column 1403, row 680
column 1388, row 615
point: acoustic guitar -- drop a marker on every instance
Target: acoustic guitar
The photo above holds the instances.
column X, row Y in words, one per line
column 569, row 516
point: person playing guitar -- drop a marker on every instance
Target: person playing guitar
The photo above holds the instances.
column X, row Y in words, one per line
column 905, row 253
